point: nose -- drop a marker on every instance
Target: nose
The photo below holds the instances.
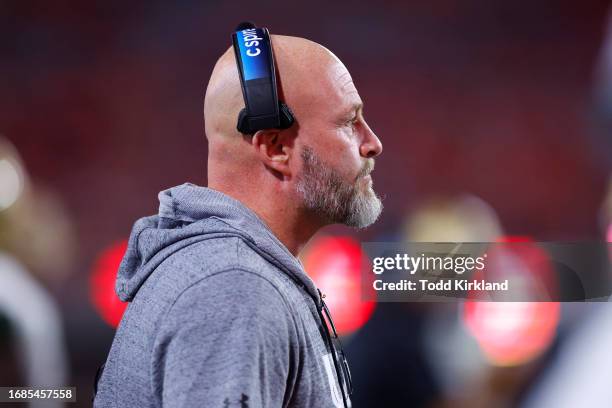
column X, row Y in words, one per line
column 371, row 146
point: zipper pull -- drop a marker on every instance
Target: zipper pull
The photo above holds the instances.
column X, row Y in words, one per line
column 321, row 295
column 328, row 314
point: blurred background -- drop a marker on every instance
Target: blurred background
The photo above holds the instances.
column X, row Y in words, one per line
column 496, row 120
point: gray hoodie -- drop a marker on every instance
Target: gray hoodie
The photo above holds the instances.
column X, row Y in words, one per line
column 221, row 314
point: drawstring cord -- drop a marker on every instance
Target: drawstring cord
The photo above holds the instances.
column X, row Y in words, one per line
column 330, row 343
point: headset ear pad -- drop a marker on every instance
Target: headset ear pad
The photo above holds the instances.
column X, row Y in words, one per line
column 285, row 114
column 243, row 122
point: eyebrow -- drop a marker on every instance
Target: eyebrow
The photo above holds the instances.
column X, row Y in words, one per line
column 350, row 113
column 355, row 109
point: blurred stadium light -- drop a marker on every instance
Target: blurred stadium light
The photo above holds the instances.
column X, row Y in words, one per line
column 335, row 264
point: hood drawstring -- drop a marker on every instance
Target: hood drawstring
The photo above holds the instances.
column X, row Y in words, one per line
column 342, row 380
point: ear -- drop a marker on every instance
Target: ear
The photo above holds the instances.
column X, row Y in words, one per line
column 274, row 148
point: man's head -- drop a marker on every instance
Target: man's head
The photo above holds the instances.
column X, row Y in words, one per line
column 320, row 166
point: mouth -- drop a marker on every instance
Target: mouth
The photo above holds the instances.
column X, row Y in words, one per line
column 367, row 180
column 367, row 168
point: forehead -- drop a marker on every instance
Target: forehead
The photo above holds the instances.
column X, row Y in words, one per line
column 327, row 89
column 324, row 91
column 341, row 89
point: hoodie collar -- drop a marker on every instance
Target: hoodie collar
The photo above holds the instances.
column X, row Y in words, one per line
column 181, row 209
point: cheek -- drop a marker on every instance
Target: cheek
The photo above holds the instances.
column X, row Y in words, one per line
column 345, row 154
column 335, row 146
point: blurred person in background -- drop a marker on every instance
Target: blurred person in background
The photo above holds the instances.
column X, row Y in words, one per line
column 581, row 372
column 221, row 311
column 601, row 112
column 422, row 338
column 462, row 376
column 496, row 339
column 35, row 235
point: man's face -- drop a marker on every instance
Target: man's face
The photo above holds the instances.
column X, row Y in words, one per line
column 328, row 194
column 337, row 156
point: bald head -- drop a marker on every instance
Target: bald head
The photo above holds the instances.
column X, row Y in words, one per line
column 309, row 76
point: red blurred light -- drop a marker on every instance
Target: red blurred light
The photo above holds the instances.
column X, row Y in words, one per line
column 513, row 333
column 102, row 284
column 514, row 238
column 334, row 264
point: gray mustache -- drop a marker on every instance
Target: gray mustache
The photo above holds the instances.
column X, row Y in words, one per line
column 367, row 168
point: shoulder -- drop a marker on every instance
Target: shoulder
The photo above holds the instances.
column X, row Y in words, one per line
column 232, row 296
column 212, row 255
column 212, row 263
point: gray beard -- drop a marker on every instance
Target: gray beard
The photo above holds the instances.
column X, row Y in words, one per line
column 327, row 195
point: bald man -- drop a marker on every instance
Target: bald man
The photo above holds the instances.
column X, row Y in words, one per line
column 221, row 312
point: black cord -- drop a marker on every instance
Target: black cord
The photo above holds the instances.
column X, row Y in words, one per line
column 332, row 347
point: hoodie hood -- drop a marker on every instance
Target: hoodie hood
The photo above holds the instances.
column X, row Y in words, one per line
column 180, row 222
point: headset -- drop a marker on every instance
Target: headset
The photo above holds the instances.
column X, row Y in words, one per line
column 255, row 61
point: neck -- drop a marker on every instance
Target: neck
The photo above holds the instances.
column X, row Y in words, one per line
column 293, row 228
column 290, row 224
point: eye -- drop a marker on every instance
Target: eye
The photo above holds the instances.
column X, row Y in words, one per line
column 351, row 122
